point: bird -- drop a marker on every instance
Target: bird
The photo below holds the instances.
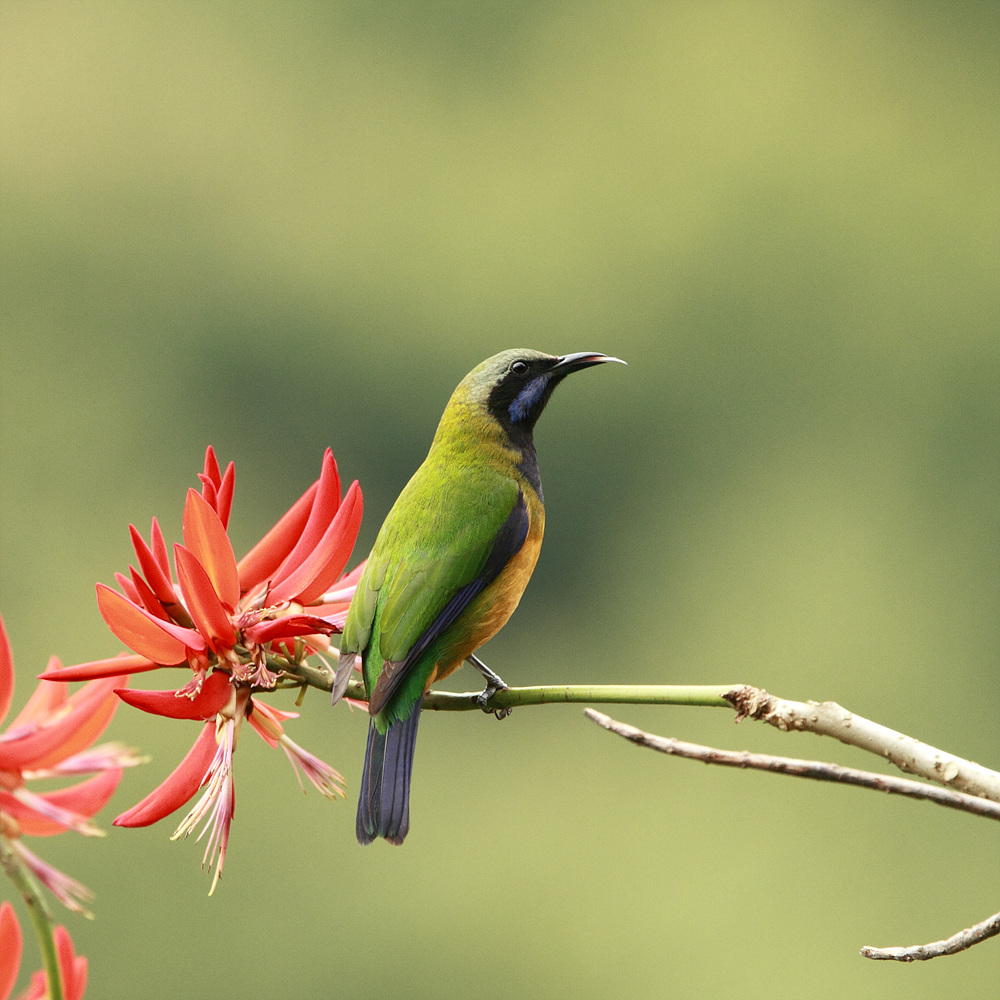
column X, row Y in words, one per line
column 448, row 567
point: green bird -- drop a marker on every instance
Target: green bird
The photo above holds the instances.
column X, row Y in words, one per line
column 448, row 567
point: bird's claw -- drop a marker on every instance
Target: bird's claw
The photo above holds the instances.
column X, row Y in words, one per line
column 485, row 696
column 494, row 683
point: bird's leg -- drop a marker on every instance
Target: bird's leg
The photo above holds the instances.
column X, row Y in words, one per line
column 494, row 683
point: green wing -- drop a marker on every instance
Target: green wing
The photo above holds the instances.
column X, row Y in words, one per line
column 442, row 538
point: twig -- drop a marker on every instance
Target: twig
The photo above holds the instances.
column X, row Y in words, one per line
column 830, row 719
column 817, row 770
column 950, row 946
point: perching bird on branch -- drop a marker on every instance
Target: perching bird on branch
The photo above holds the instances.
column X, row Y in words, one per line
column 448, row 567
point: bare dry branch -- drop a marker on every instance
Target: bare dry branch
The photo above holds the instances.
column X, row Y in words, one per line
column 950, row 946
column 830, row 719
column 817, row 770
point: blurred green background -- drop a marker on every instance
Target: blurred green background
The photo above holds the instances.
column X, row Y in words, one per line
column 277, row 227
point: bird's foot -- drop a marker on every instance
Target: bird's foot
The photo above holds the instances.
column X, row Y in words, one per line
column 484, row 697
column 494, row 683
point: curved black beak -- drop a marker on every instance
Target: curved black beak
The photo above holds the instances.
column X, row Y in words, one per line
column 573, row 362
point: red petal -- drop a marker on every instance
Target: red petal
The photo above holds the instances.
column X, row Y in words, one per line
column 343, row 589
column 91, row 710
column 205, row 705
column 144, row 595
column 87, row 798
column 224, row 506
column 324, row 509
column 185, row 780
column 6, row 673
column 114, row 667
column 260, row 563
column 211, row 472
column 338, row 608
column 206, row 538
column 84, row 717
column 335, row 615
column 10, row 949
column 325, row 563
column 208, row 490
column 219, row 492
column 287, row 627
column 72, row 966
column 156, row 575
column 159, row 548
column 128, row 588
column 206, row 609
column 161, row 641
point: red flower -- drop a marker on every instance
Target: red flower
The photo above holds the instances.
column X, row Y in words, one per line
column 233, row 615
column 72, row 968
column 237, row 626
column 52, row 737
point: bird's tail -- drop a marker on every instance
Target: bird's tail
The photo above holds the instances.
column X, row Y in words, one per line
column 384, row 797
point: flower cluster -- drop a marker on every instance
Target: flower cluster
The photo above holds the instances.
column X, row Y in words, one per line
column 52, row 737
column 238, row 627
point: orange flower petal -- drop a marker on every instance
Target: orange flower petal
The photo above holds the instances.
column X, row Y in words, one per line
column 95, row 669
column 86, row 798
column 330, row 610
column 321, row 567
column 211, row 473
column 139, row 592
column 324, row 508
column 261, row 562
column 335, row 615
column 206, row 609
column 343, row 589
column 206, row 538
column 224, row 503
column 205, row 705
column 161, row 641
column 286, row 628
column 72, row 966
column 179, row 787
column 157, row 576
column 159, row 547
column 218, row 489
column 73, row 727
column 92, row 708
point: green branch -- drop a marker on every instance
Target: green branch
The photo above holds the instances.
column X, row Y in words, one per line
column 709, row 695
column 706, row 696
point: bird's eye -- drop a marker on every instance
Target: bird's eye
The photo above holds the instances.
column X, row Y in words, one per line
column 519, row 368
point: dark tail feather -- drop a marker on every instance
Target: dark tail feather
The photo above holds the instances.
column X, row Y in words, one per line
column 384, row 797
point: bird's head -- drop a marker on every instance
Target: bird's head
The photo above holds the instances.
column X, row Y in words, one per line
column 515, row 385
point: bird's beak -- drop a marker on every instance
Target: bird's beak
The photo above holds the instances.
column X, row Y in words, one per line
column 572, row 362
